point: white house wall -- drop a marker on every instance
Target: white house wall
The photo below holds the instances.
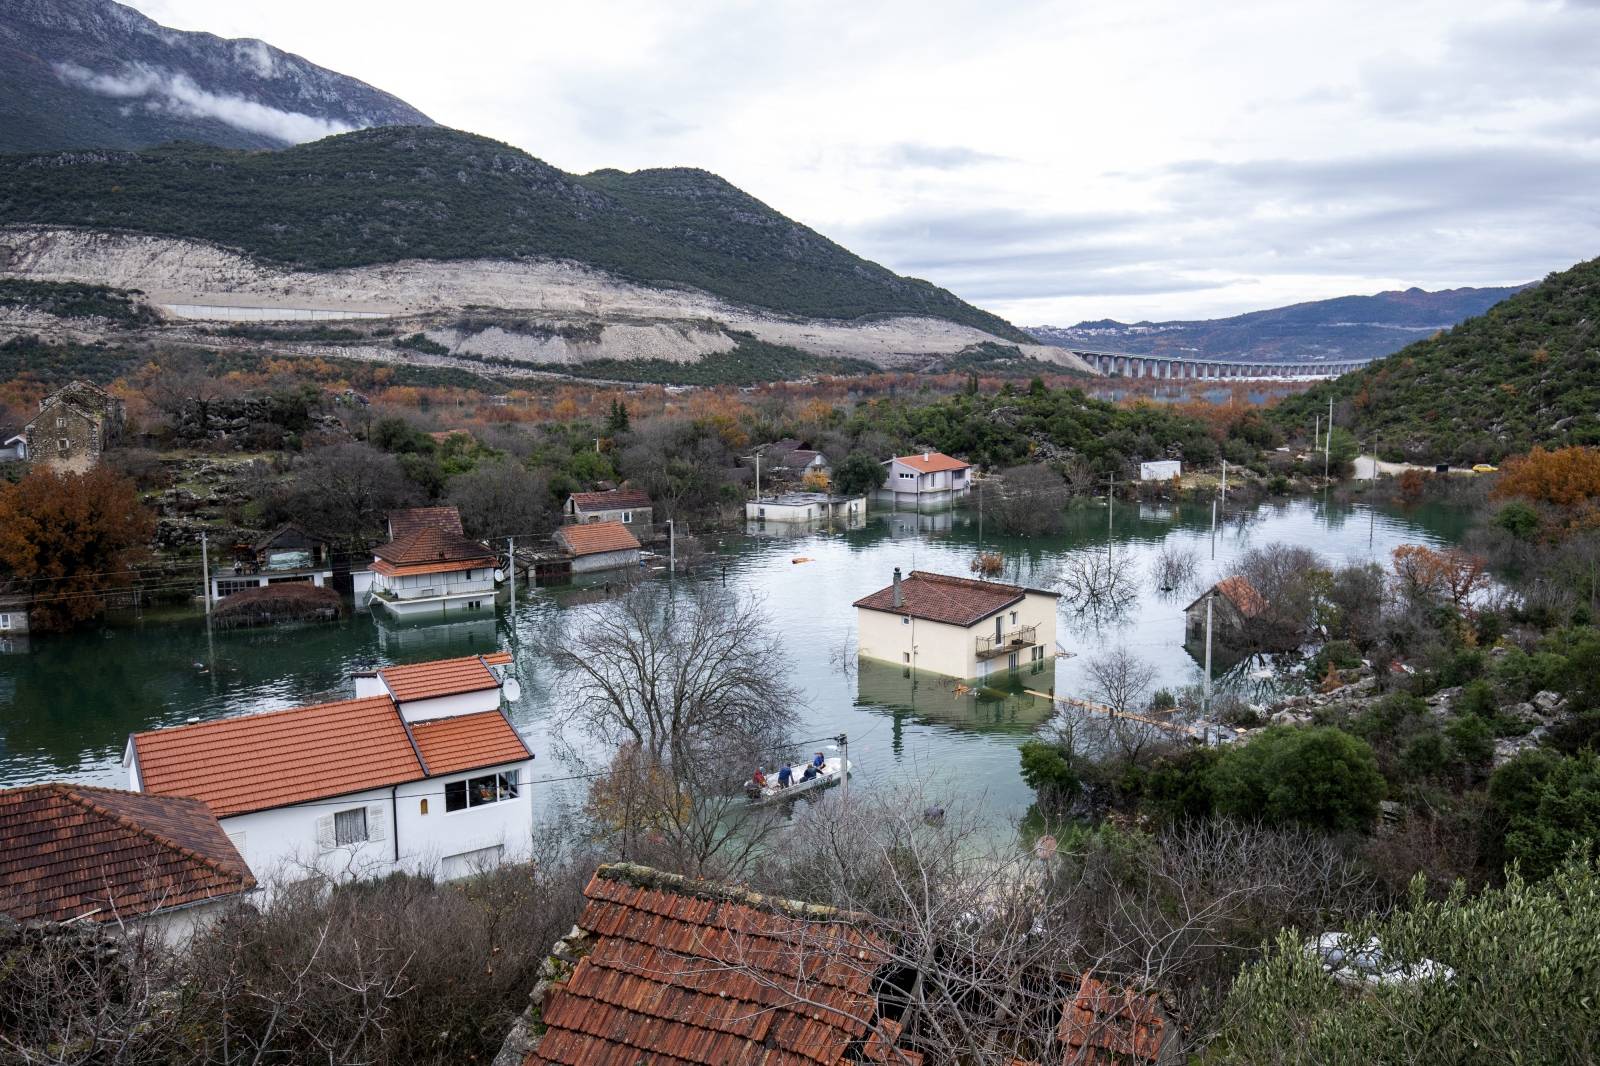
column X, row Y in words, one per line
column 617, row 560
column 445, row 706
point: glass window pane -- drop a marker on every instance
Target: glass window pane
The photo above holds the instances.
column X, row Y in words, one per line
column 481, row 790
column 455, row 796
column 508, row 785
column 350, row 827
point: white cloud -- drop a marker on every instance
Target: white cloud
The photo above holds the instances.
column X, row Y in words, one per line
column 179, row 95
column 1049, row 159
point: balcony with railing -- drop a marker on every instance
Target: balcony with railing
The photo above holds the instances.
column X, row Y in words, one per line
column 993, row 645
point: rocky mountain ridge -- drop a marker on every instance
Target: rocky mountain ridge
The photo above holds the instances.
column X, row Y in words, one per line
column 98, row 74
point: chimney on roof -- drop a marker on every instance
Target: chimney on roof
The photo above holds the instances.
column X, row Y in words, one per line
column 926, row 456
column 899, row 597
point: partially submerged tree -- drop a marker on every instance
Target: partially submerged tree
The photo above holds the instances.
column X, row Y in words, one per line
column 502, row 499
column 344, row 491
column 69, row 539
column 1120, row 680
column 1026, row 501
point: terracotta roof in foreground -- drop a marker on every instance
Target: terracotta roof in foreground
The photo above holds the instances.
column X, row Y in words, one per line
column 443, row 677
column 406, row 522
column 612, row 500
column 1104, row 1026
column 255, row 762
column 685, row 972
column 931, row 462
column 468, row 741
column 73, row 850
column 956, row 601
column 593, row 538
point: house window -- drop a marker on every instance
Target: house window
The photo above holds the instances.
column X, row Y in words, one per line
column 228, row 588
column 480, row 791
column 1013, row 617
column 61, row 422
column 5, row 621
column 906, row 656
column 350, row 827
column 907, row 477
column 627, row 516
column 905, row 619
column 63, row 444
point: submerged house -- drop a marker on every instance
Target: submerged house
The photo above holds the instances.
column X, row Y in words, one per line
column 597, row 546
column 287, row 555
column 1235, row 603
column 77, row 853
column 956, row 626
column 628, row 507
column 931, row 478
column 429, row 567
column 421, row 771
column 800, row 508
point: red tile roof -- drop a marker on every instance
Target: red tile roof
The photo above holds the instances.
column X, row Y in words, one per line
column 612, row 500
column 931, row 462
column 258, row 761
column 406, row 522
column 443, row 677
column 593, row 538
column 1238, row 591
column 684, row 972
column 957, row 601
column 432, row 550
column 72, row 850
column 468, row 741
column 1122, row 1028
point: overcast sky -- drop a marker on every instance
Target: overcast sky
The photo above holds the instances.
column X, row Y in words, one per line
column 1051, row 161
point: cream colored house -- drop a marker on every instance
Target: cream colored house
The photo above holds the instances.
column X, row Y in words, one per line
column 956, row 626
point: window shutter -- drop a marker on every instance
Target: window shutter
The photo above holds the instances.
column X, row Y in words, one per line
column 325, row 839
column 377, row 822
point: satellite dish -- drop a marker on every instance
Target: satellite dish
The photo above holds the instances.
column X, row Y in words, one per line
column 512, row 690
column 499, row 575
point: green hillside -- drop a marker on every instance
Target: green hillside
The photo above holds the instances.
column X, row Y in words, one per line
column 381, row 195
column 1525, row 372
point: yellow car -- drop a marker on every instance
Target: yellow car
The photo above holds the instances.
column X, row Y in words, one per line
column 1485, row 468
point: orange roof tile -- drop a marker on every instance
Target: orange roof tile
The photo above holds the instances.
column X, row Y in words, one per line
column 931, row 462
column 406, row 522
column 957, row 601
column 443, row 677
column 468, row 741
column 258, row 761
column 611, row 500
column 72, row 850
column 595, row 537
column 430, row 546
column 685, row 972
column 1102, row 1026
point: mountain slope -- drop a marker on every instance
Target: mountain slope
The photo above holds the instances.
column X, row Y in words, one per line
column 385, row 195
column 97, row 74
column 1347, row 327
column 1525, row 372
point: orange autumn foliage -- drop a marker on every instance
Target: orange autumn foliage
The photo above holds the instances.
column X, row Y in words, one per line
column 1565, row 477
column 1426, row 573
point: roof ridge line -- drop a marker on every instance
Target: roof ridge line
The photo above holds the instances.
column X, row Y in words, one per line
column 410, row 737
column 251, row 715
column 72, row 794
column 640, row 876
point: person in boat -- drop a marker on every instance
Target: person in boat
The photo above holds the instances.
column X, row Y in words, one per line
column 785, row 776
column 758, row 778
column 819, row 762
column 811, row 772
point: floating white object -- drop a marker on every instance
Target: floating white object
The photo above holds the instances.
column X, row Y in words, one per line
column 511, row 690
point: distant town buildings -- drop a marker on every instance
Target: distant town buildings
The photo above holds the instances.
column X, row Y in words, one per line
column 420, row 772
column 956, row 626
column 75, row 424
column 926, row 479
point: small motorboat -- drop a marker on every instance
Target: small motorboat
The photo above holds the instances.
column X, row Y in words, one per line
column 832, row 772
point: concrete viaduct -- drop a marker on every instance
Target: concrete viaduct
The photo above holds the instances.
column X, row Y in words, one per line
column 1180, row 369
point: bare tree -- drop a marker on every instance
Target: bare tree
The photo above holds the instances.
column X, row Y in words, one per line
column 1121, row 680
column 344, row 491
column 1289, row 583
column 503, row 499
column 1097, row 585
column 1175, row 568
column 1027, row 501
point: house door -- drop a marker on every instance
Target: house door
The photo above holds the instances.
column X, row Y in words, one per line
column 998, row 635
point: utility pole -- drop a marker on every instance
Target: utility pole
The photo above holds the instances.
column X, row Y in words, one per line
column 1224, row 482
column 1316, row 434
column 1111, row 504
column 1327, row 444
column 511, row 570
column 205, row 569
column 1213, row 528
column 757, row 458
column 672, row 547
column 1205, row 700
column 844, row 768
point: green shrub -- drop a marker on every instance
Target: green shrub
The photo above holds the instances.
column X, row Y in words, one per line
column 1320, row 777
column 1519, row 519
column 1546, row 805
column 1048, row 770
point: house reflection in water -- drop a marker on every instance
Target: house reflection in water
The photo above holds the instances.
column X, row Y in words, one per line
column 438, row 640
column 1011, row 702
